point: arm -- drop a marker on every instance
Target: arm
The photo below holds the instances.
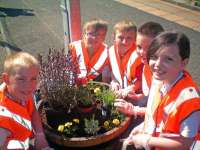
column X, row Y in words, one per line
column 128, row 108
column 172, row 143
column 169, row 143
column 40, row 140
column 3, row 137
column 134, row 96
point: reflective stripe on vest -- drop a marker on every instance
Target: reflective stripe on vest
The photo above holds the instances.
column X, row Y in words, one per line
column 100, row 62
column 80, row 56
column 146, row 81
column 15, row 144
column 114, row 66
column 185, row 95
column 82, row 66
column 24, row 122
column 132, row 61
column 195, row 145
column 145, row 88
column 122, row 75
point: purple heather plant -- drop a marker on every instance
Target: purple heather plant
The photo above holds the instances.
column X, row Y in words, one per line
column 57, row 79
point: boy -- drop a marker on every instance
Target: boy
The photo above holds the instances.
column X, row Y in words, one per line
column 145, row 34
column 173, row 109
column 91, row 53
column 124, row 44
column 19, row 119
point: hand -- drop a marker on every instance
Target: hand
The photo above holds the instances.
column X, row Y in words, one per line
column 128, row 90
column 134, row 96
column 115, row 86
column 139, row 140
column 124, row 106
column 138, row 129
column 119, row 93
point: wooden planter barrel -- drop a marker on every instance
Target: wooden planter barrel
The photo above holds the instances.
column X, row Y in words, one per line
column 87, row 141
column 79, row 141
column 84, row 141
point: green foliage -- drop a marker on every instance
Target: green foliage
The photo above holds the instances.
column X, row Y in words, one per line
column 84, row 96
column 91, row 126
column 102, row 93
column 117, row 114
column 107, row 97
column 71, row 131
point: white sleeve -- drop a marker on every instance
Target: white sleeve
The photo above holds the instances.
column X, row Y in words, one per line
column 191, row 125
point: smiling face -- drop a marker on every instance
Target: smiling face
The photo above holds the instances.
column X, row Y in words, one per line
column 22, row 82
column 143, row 43
column 166, row 63
column 124, row 40
column 94, row 38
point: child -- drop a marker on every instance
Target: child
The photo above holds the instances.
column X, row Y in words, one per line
column 19, row 120
column 173, row 109
column 145, row 34
column 91, row 53
column 119, row 54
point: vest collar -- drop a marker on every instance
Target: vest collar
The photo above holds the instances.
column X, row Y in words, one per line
column 166, row 87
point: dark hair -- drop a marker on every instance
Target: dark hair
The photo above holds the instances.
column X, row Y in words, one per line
column 167, row 38
column 150, row 29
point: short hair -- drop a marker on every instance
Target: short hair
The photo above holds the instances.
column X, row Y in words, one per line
column 167, row 38
column 124, row 25
column 97, row 24
column 150, row 29
column 22, row 59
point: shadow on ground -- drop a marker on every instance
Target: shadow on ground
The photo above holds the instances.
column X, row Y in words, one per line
column 14, row 12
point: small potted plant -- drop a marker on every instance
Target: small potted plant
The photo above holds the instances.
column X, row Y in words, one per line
column 84, row 99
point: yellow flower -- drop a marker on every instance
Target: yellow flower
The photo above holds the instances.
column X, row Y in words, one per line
column 68, row 124
column 61, row 128
column 97, row 90
column 76, row 120
column 116, row 122
column 106, row 124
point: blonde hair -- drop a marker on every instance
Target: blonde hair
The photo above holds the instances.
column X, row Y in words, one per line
column 97, row 24
column 21, row 59
column 124, row 25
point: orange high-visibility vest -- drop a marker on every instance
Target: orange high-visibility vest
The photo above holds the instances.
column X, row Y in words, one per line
column 89, row 68
column 181, row 101
column 134, row 68
column 121, row 66
column 146, row 79
column 16, row 119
